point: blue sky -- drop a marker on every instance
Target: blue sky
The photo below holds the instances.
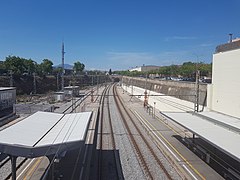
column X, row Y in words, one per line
column 117, row 34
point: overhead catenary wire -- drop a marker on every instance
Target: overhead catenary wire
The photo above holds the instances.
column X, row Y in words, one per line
column 68, row 133
column 51, row 162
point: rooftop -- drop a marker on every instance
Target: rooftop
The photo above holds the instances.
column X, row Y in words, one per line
column 71, row 87
column 6, row 88
column 44, row 133
column 220, row 130
column 235, row 44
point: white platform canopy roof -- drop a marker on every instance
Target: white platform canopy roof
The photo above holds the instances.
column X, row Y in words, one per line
column 225, row 139
column 45, row 133
column 220, row 130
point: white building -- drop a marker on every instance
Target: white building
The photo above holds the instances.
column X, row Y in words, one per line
column 59, row 96
column 144, row 68
column 7, row 100
column 223, row 93
column 71, row 91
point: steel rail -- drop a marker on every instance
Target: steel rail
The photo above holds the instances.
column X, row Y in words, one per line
column 101, row 134
column 105, row 100
column 119, row 174
column 120, row 102
column 138, row 151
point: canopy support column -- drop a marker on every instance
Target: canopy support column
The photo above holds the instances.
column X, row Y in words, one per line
column 14, row 169
column 193, row 138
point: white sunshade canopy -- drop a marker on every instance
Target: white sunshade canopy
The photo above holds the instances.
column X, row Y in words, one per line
column 45, row 133
column 225, row 139
column 220, row 130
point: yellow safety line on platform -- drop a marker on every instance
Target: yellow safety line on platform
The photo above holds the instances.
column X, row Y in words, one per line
column 160, row 134
column 158, row 118
column 32, row 169
column 177, row 151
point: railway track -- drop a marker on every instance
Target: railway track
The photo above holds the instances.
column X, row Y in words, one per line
column 108, row 161
column 107, row 141
column 129, row 124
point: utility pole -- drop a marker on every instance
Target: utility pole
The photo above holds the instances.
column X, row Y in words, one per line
column 63, row 66
column 145, row 103
column 73, row 94
column 197, row 77
column 196, row 104
column 34, row 84
column 132, row 85
column 122, row 84
column 92, row 81
column 154, row 111
column 92, row 90
column 97, row 81
column 11, row 78
column 57, row 81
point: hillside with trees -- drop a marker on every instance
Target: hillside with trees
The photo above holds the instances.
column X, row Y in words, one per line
column 20, row 73
column 18, row 66
column 186, row 70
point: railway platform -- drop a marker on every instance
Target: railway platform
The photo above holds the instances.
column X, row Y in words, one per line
column 219, row 131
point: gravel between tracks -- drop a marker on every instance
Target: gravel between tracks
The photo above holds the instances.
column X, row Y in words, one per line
column 130, row 166
column 153, row 166
column 4, row 171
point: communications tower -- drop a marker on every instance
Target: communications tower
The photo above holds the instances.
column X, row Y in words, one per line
column 63, row 71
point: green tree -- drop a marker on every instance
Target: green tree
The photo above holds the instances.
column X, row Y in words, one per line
column 46, row 67
column 165, row 71
column 188, row 69
column 20, row 65
column 29, row 66
column 2, row 68
column 110, row 72
column 57, row 70
column 205, row 69
column 78, row 67
column 15, row 63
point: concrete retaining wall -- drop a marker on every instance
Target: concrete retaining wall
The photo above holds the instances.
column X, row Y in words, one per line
column 179, row 89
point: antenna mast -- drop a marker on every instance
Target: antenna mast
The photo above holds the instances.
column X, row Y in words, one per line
column 63, row 66
column 230, row 37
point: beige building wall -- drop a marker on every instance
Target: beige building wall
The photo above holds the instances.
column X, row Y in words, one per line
column 145, row 68
column 149, row 68
column 136, row 69
column 224, row 92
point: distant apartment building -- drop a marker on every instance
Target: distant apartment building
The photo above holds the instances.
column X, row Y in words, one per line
column 144, row 68
column 223, row 93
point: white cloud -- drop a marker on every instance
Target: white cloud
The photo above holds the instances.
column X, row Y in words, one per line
column 127, row 60
column 206, row 44
column 180, row 38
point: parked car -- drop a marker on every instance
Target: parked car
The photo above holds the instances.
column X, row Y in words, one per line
column 207, row 80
